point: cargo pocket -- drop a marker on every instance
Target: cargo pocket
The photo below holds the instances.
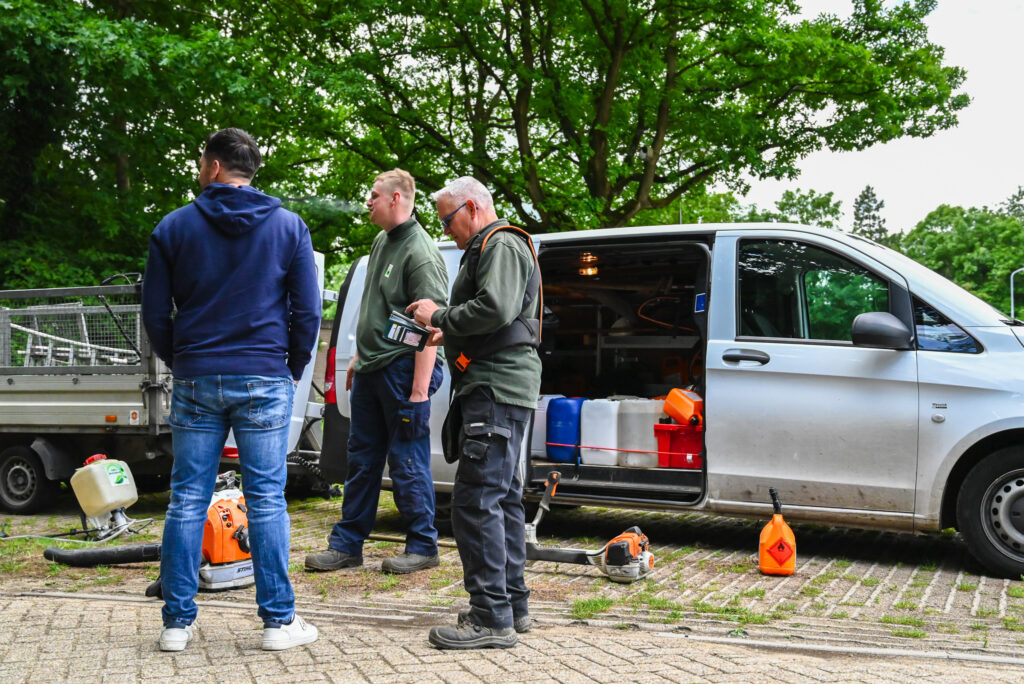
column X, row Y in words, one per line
column 413, row 421
column 269, row 402
column 482, row 456
column 184, row 410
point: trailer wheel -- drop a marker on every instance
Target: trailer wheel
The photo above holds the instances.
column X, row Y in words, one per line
column 990, row 512
column 23, row 484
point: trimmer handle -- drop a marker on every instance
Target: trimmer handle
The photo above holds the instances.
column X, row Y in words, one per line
column 772, row 492
column 550, row 485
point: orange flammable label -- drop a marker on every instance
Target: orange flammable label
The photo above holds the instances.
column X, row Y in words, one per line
column 780, row 551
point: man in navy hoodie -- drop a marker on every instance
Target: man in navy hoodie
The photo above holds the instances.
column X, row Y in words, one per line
column 231, row 304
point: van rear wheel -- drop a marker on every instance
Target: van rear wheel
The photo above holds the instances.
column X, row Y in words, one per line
column 23, row 484
column 990, row 512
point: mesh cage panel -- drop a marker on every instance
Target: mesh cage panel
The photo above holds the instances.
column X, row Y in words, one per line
column 70, row 328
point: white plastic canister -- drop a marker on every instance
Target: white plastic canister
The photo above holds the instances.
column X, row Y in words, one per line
column 538, row 441
column 102, row 485
column 636, row 420
column 599, row 427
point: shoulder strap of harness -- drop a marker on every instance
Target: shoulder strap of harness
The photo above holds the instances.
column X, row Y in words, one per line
column 522, row 329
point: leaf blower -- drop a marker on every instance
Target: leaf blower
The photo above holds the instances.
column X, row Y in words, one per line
column 227, row 561
column 624, row 559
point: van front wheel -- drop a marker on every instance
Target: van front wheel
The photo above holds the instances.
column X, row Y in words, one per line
column 990, row 512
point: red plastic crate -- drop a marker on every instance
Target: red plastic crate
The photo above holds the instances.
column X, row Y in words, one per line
column 679, row 446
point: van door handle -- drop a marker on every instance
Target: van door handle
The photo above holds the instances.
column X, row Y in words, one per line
column 736, row 355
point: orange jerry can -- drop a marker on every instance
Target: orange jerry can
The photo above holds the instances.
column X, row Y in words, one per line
column 777, row 550
column 226, row 534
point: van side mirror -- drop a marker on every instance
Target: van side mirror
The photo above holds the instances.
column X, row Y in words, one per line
column 882, row 330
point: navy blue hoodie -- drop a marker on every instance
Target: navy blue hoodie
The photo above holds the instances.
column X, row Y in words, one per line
column 239, row 270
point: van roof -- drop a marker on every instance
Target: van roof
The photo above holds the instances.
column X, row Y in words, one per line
column 670, row 229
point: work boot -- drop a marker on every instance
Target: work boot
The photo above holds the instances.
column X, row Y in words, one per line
column 409, row 562
column 521, row 623
column 332, row 559
column 472, row 635
column 176, row 638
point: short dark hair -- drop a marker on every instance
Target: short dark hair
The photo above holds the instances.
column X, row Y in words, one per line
column 235, row 150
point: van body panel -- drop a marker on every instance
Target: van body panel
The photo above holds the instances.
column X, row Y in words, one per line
column 827, row 425
column 965, row 398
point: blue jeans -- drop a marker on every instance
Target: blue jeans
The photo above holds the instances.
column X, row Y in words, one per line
column 258, row 409
column 387, row 427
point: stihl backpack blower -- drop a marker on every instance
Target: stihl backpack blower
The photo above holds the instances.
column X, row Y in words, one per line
column 624, row 559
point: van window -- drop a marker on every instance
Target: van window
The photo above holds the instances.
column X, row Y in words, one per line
column 794, row 290
column 935, row 332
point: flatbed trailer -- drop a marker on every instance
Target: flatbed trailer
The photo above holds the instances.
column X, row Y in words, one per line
column 78, row 376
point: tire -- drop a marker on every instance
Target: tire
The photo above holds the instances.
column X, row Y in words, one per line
column 990, row 512
column 23, row 484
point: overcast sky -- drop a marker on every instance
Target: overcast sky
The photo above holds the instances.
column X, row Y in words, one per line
column 979, row 162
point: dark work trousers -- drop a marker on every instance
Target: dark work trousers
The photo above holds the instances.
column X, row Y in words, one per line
column 386, row 427
column 487, row 508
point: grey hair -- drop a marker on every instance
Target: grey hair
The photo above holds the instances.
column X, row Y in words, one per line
column 466, row 188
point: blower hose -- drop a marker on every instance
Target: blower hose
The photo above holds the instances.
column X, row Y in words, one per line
column 113, row 555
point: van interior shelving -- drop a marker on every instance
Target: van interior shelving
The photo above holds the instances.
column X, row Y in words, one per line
column 622, row 319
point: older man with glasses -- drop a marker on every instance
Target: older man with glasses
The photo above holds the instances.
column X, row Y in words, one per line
column 490, row 332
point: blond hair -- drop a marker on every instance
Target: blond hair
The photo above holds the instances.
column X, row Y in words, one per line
column 397, row 180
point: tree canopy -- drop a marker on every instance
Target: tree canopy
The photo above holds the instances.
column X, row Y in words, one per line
column 576, row 114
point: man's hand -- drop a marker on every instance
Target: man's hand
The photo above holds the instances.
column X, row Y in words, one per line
column 351, row 371
column 436, row 337
column 421, row 310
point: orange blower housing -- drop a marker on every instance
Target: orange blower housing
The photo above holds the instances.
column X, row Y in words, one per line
column 777, row 547
column 226, row 533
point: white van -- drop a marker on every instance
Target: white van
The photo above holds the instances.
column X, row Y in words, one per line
column 910, row 418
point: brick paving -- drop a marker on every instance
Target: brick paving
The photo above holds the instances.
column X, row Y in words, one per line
column 863, row 606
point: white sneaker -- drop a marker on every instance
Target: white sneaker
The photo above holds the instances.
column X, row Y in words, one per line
column 176, row 638
column 299, row 632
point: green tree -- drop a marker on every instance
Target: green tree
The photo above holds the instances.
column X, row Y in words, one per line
column 796, row 206
column 975, row 248
column 867, row 221
column 586, row 113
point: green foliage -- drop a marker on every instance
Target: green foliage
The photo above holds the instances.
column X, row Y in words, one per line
column 867, row 222
column 975, row 248
column 577, row 114
column 797, row 206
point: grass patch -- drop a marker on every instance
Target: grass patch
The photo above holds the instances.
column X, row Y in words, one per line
column 902, row 620
column 1015, row 591
column 843, row 563
column 977, row 626
column 987, row 612
column 966, row 586
column 584, row 609
column 738, row 614
column 825, row 577
column 738, row 568
column 910, row 633
column 653, row 602
column 840, row 615
column 756, row 592
column 388, row 582
column 1012, row 624
column 811, row 591
column 870, row 581
column 678, row 553
column 905, row 605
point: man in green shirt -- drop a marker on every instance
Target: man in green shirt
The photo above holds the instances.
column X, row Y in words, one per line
column 490, row 333
column 391, row 386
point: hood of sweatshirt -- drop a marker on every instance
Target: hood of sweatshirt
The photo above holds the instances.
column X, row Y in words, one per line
column 235, row 210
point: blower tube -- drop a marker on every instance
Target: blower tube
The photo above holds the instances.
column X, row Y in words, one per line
column 114, row 555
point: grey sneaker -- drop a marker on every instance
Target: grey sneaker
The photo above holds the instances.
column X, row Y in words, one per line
column 521, row 623
column 409, row 562
column 176, row 638
column 472, row 635
column 332, row 559
column 297, row 633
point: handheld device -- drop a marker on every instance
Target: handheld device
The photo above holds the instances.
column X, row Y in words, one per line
column 404, row 330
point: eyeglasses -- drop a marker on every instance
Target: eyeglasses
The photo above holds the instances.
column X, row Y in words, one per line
column 448, row 219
